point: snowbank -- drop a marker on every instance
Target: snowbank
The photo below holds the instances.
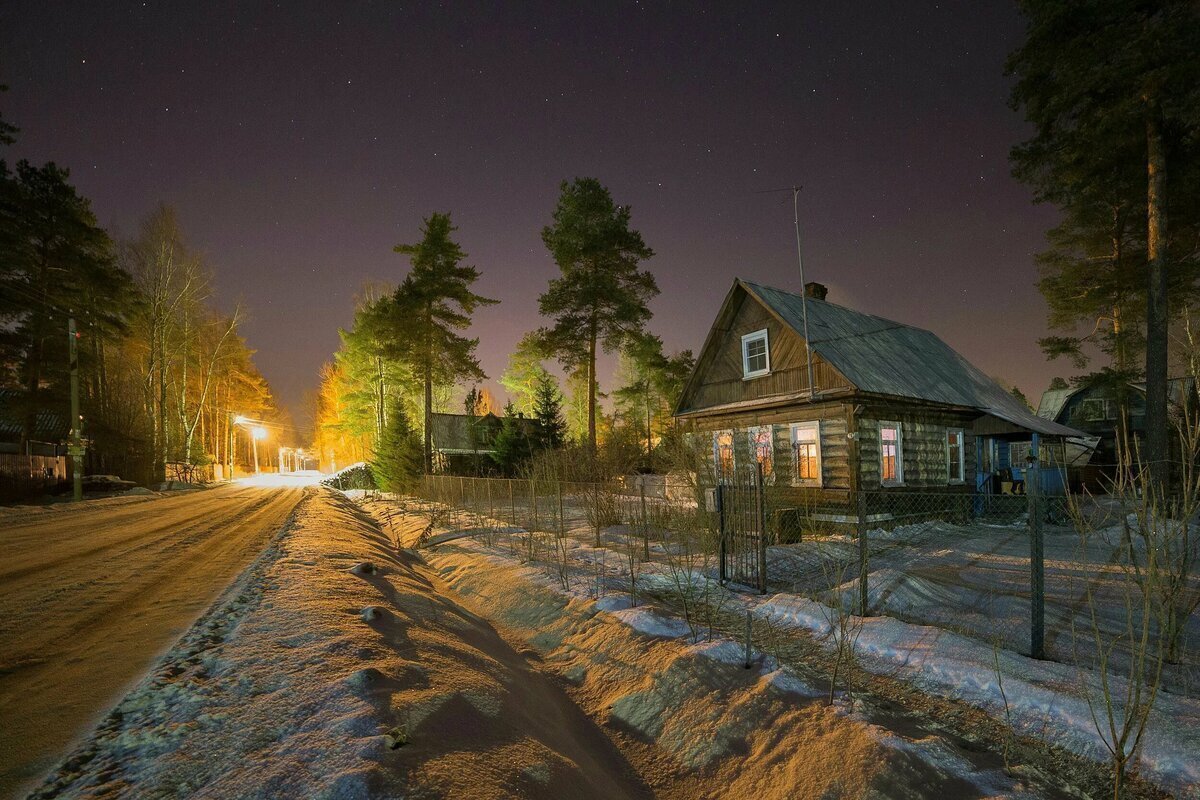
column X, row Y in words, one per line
column 285, row 688
column 1045, row 700
column 759, row 732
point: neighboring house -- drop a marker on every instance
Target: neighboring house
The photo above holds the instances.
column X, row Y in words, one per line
column 50, row 429
column 924, row 418
column 1096, row 411
column 461, row 443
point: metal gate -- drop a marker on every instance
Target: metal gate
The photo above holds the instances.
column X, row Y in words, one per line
column 741, row 519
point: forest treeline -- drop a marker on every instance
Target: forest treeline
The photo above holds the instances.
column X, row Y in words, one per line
column 161, row 369
column 406, row 355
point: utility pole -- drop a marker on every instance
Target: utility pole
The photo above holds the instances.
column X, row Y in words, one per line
column 255, row 438
column 229, row 445
column 75, row 447
column 1037, row 564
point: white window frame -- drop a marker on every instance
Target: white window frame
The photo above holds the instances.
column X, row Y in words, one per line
column 746, row 339
column 813, row 425
column 962, row 457
column 751, row 439
column 899, row 479
column 716, row 448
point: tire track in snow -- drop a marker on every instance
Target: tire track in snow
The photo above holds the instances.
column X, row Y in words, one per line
column 84, row 622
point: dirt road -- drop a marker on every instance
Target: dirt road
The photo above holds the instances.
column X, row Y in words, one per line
column 89, row 595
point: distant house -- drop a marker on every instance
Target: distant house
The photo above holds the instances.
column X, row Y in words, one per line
column 1096, row 410
column 50, row 428
column 462, row 444
column 924, row 418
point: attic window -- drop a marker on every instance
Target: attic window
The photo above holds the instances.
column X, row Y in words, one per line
column 756, row 356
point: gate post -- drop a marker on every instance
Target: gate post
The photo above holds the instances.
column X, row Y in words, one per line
column 864, row 555
column 722, row 548
column 760, row 502
column 1037, row 565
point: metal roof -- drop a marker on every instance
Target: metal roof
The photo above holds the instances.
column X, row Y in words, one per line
column 882, row 356
column 451, row 432
column 49, row 425
column 1052, row 402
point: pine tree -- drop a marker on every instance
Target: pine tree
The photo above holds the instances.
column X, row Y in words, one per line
column 600, row 299
column 429, row 309
column 1112, row 89
column 397, row 462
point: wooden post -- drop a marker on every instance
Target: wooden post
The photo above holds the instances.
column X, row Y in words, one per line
column 1037, row 565
column 512, row 503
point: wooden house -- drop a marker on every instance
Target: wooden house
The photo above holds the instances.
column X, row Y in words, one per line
column 1096, row 410
column 890, row 409
column 462, row 444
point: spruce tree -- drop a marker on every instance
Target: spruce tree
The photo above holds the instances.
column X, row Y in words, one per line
column 548, row 416
column 512, row 446
column 397, row 462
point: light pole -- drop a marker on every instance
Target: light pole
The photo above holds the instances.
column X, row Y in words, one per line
column 256, row 433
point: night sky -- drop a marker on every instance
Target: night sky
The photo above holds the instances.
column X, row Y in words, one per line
column 300, row 142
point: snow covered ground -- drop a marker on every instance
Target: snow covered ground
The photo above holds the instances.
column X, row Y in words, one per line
column 340, row 666
column 314, row 676
column 725, row 730
column 91, row 593
column 1045, row 700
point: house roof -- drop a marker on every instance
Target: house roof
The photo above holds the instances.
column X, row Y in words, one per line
column 49, row 425
column 451, row 433
column 1055, row 400
column 882, row 356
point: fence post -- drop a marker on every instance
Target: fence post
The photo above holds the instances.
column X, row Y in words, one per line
column 645, row 522
column 722, row 549
column 864, row 554
column 562, row 520
column 533, row 502
column 760, row 499
column 1037, row 565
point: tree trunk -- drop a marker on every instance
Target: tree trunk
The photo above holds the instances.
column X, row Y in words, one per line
column 428, row 378
column 1156, row 306
column 591, row 376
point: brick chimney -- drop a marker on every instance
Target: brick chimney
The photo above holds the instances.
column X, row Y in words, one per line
column 817, row 291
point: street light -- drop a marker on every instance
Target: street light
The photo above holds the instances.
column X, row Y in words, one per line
column 256, row 433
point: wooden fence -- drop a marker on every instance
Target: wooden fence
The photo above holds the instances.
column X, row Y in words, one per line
column 22, row 475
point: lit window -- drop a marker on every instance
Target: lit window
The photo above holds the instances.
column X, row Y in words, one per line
column 806, row 453
column 723, row 453
column 756, row 356
column 762, row 444
column 955, row 465
column 891, row 453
